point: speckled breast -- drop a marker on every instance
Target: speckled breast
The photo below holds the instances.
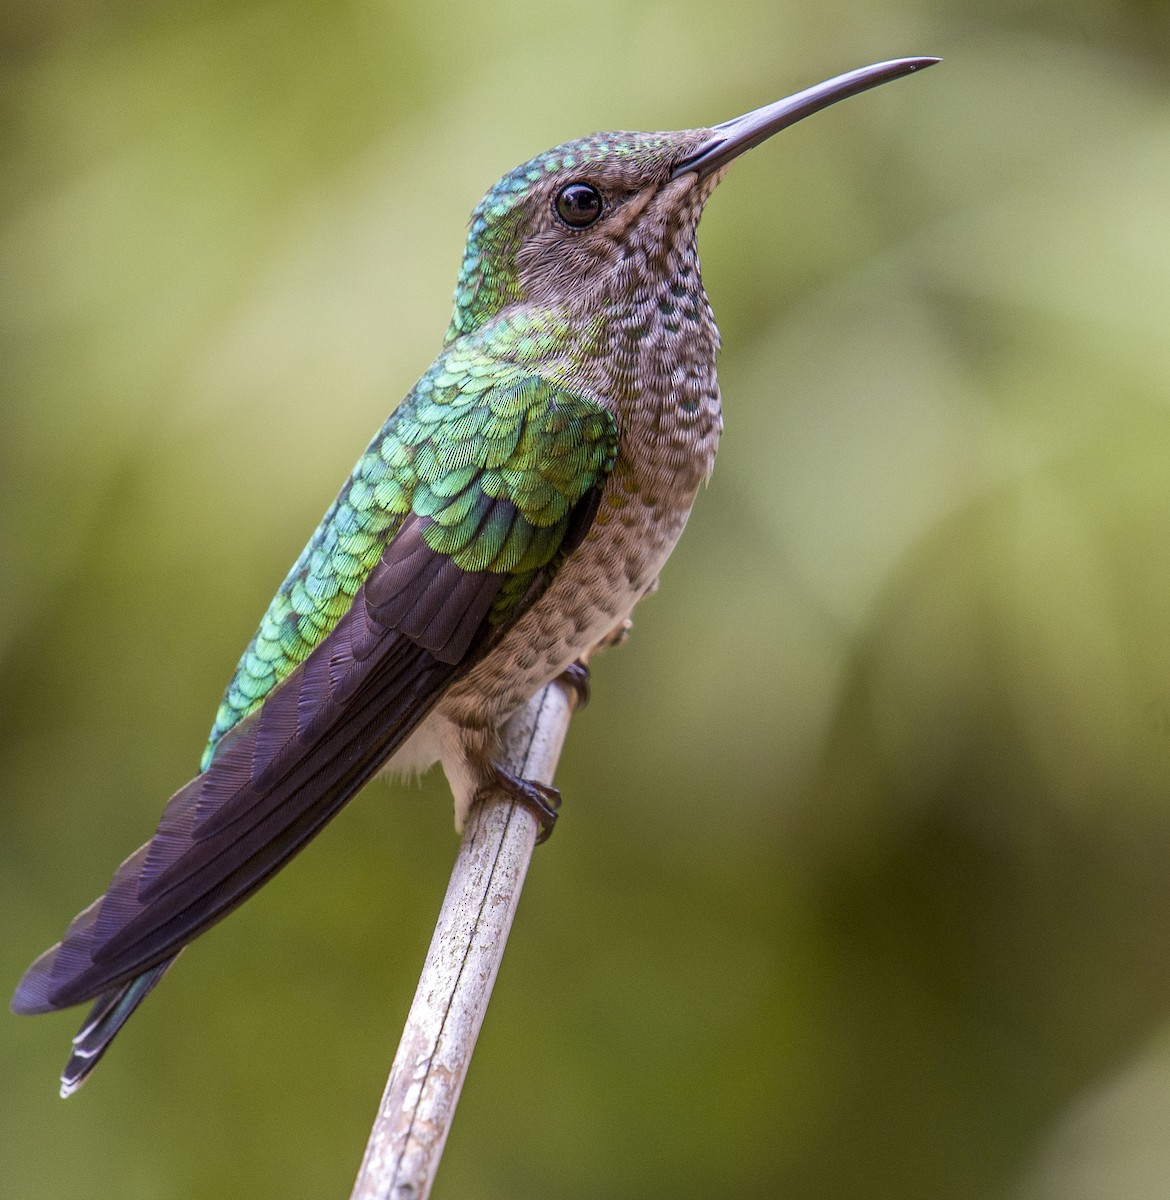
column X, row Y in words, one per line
column 670, row 417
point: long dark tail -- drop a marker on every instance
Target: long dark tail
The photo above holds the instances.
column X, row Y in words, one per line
column 111, row 1011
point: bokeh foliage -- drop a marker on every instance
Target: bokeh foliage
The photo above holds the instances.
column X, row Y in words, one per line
column 863, row 883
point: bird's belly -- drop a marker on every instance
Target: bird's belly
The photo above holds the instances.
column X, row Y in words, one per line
column 594, row 590
column 592, row 593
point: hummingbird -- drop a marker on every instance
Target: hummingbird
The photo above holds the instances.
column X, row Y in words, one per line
column 509, row 514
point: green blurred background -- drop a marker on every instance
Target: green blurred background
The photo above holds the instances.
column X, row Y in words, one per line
column 862, row 888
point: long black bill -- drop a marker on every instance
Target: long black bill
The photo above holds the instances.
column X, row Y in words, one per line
column 732, row 138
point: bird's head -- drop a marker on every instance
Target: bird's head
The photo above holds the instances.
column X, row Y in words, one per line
column 591, row 218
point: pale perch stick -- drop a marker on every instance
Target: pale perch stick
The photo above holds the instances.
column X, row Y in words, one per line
column 418, row 1105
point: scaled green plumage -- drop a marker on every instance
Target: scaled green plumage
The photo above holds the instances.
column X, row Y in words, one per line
column 480, row 426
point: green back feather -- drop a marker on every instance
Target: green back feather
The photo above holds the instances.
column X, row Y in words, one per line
column 479, row 426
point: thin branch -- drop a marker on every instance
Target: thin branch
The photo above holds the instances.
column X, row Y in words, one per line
column 417, row 1108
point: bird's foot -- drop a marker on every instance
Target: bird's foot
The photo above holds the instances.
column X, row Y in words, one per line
column 541, row 799
column 575, row 679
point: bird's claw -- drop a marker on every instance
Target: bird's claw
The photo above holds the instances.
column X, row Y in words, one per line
column 540, row 799
column 575, row 679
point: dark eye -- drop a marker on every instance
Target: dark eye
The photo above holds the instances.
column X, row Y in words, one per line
column 579, row 205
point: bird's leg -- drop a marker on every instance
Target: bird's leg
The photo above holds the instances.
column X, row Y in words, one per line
column 541, row 799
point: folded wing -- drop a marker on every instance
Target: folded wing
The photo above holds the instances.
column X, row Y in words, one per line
column 457, row 572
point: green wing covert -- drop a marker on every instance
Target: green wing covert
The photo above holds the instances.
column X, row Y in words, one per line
column 493, row 457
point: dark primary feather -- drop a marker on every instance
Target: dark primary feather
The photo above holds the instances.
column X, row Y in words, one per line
column 274, row 781
column 489, row 524
column 277, row 777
